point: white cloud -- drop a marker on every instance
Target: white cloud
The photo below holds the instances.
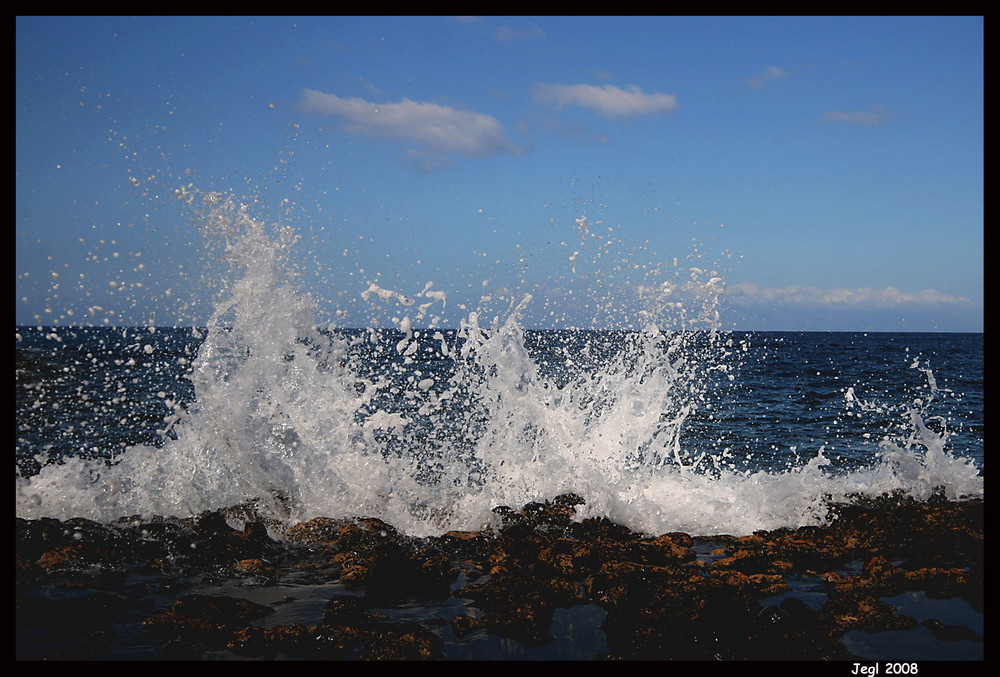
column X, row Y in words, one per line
column 433, row 128
column 842, row 297
column 770, row 73
column 606, row 99
column 877, row 115
column 508, row 33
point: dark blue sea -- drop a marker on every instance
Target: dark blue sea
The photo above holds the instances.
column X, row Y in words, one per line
column 772, row 403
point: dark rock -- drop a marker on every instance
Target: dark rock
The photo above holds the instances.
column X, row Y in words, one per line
column 796, row 609
column 553, row 516
column 465, row 625
column 337, row 641
column 880, row 577
column 859, row 611
column 663, row 549
column 291, row 640
column 350, row 611
column 660, row 599
column 199, row 622
column 256, row 532
column 256, row 568
column 212, row 523
column 521, row 607
column 409, row 641
column 315, row 531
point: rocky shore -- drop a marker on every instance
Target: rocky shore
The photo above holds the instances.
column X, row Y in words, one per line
column 179, row 588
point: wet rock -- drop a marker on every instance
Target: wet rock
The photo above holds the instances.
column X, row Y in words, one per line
column 932, row 533
column 350, row 611
column 212, row 523
column 255, row 568
column 77, row 545
column 366, row 533
column 854, row 611
column 601, row 529
column 26, row 569
column 406, row 642
column 520, row 546
column 64, row 557
column 160, row 543
column 520, row 607
column 346, row 625
column 621, row 583
column 256, row 532
column 792, row 630
column 553, row 516
column 796, row 609
column 395, row 569
column 566, row 558
column 294, row 640
column 663, row 549
column 315, row 531
column 36, row 537
column 782, row 552
column 465, row 544
column 336, row 641
column 880, row 577
column 669, row 613
column 753, row 561
column 660, row 598
column 199, row 622
column 465, row 625
column 349, row 624
column 369, row 553
column 216, row 541
column 757, row 585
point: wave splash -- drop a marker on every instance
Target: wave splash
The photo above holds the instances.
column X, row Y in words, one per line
column 430, row 429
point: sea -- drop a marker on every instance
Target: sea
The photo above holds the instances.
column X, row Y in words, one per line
column 430, row 431
column 661, row 426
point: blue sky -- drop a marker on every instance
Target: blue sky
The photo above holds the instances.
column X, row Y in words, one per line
column 829, row 169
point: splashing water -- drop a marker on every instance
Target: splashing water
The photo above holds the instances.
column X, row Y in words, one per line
column 431, row 429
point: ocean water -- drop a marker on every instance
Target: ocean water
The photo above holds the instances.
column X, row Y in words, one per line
column 807, row 417
column 664, row 426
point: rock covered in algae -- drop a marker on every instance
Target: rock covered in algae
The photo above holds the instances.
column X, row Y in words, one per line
column 663, row 596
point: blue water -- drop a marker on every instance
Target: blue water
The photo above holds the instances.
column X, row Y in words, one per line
column 96, row 392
